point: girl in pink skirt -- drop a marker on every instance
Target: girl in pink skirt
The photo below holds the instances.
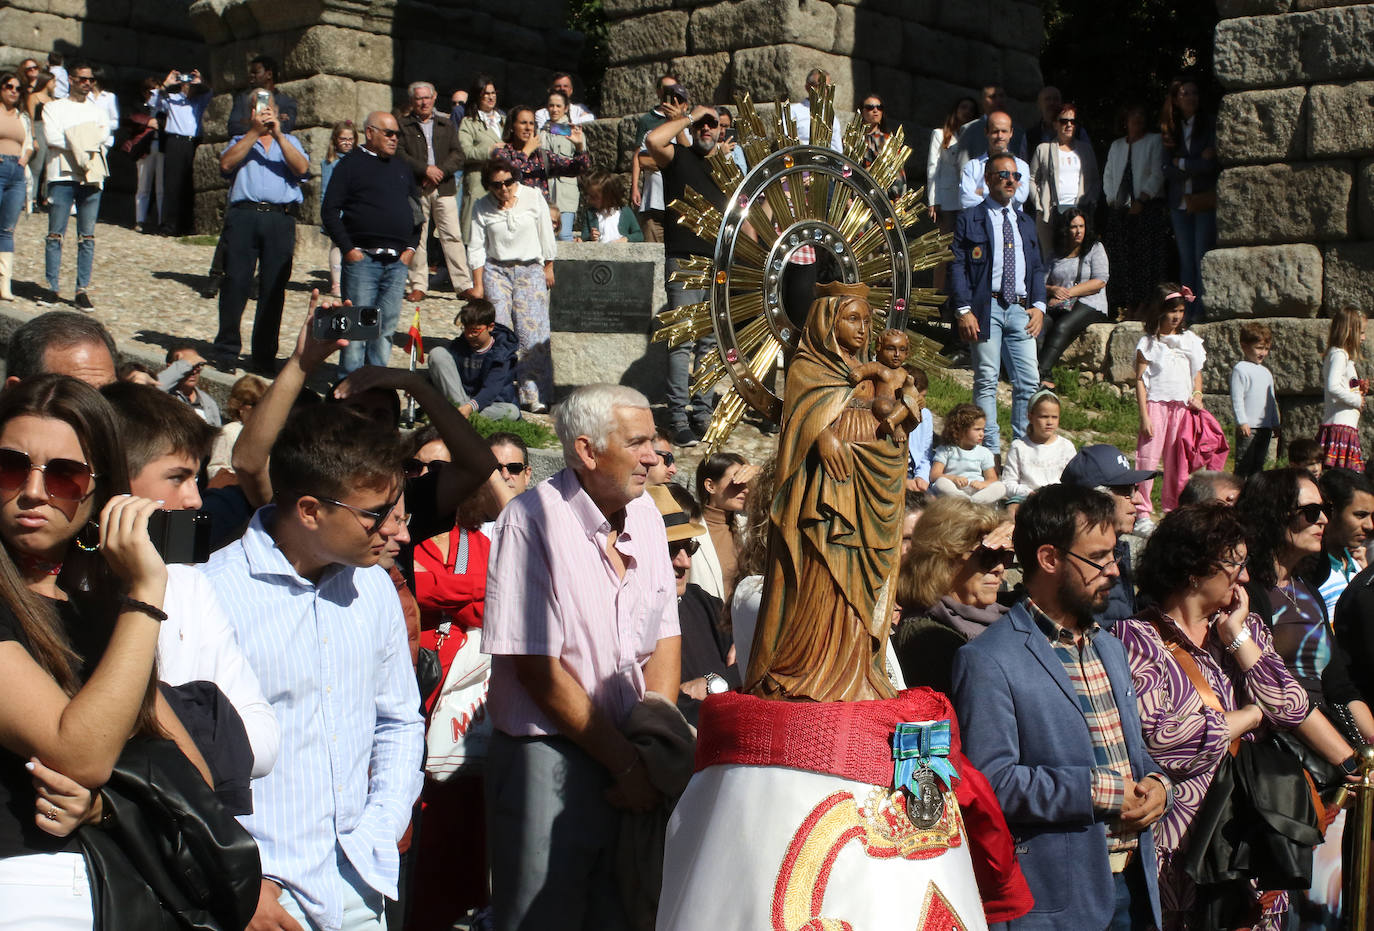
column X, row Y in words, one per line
column 1168, row 381
column 1343, row 392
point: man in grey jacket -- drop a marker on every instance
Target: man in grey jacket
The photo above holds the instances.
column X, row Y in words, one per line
column 429, row 145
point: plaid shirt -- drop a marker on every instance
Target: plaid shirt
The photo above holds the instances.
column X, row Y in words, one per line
column 1089, row 677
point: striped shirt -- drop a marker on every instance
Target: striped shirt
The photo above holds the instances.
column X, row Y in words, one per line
column 551, row 591
column 1343, row 569
column 334, row 661
column 1098, row 704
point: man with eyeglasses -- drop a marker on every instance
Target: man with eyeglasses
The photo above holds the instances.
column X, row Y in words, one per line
column 708, row 666
column 684, row 166
column 1105, row 468
column 370, row 211
column 266, row 166
column 78, row 133
column 1049, row 716
column 429, row 145
column 997, row 286
column 321, row 624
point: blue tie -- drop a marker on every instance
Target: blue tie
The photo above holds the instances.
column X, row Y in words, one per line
column 1008, row 259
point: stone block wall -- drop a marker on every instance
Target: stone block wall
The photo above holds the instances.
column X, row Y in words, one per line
column 342, row 59
column 920, row 55
column 1295, row 136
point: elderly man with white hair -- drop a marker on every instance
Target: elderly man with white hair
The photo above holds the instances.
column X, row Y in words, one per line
column 581, row 621
column 429, row 145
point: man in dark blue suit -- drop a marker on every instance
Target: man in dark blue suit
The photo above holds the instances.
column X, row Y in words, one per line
column 1049, row 715
column 997, row 284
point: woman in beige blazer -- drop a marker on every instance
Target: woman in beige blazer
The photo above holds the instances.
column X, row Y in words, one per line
column 1064, row 174
column 479, row 133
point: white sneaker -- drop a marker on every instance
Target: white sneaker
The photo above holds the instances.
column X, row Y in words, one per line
column 1143, row 527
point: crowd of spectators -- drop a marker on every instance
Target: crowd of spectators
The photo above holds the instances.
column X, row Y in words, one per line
column 406, row 670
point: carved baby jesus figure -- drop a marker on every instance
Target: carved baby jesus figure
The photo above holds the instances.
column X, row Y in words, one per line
column 895, row 401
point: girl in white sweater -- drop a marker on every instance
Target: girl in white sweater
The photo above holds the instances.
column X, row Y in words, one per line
column 1040, row 457
column 1343, row 392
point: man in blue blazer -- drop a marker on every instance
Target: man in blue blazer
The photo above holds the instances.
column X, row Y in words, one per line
column 1048, row 714
column 997, row 286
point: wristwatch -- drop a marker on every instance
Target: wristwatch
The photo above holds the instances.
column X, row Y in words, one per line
column 964, row 310
column 715, row 684
column 1351, row 765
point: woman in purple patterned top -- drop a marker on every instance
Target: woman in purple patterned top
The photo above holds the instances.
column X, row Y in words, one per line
column 536, row 162
column 1194, row 568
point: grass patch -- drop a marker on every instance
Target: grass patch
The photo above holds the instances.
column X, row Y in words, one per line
column 199, row 240
column 535, row 435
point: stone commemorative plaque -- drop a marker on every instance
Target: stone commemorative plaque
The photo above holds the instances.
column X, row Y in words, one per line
column 602, row 297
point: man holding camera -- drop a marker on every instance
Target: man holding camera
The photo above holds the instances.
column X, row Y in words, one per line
column 372, row 212
column 266, row 165
column 183, row 98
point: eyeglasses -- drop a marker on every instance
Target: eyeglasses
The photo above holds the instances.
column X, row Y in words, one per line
column 83, row 78
column 689, row 547
column 667, row 457
column 1232, row 565
column 379, row 517
column 389, row 133
column 63, row 479
column 1007, row 175
column 1100, row 567
column 1311, row 512
column 514, row 468
column 873, row 106
column 509, row 182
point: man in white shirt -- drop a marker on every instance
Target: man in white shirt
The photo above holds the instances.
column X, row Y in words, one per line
column 972, row 188
column 78, row 131
column 165, row 443
column 184, row 104
column 577, row 113
column 321, row 624
column 801, row 114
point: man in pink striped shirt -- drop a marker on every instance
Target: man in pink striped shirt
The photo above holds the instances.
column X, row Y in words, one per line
column 581, row 621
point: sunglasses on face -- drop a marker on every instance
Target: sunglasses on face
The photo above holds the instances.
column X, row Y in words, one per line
column 63, row 479
column 1312, row 512
column 514, row 468
column 389, row 133
column 414, row 468
column 11, row 87
column 82, row 78
column 873, row 106
column 667, row 457
column 988, row 560
column 378, row 517
column 1007, row 175
column 509, row 182
column 689, row 547
column 708, row 121
column 1067, row 121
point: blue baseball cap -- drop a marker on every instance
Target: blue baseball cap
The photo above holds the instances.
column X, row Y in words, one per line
column 1103, row 465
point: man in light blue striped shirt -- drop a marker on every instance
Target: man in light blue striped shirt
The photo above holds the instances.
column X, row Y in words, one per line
column 321, row 624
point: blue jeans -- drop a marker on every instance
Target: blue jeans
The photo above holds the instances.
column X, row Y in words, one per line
column 1008, row 345
column 13, row 185
column 565, row 225
column 375, row 282
column 1197, row 235
column 1133, row 909
column 61, row 196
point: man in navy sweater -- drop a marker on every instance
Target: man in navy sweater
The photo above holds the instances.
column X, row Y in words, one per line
column 372, row 212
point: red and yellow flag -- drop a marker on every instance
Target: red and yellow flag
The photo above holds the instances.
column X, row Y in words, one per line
column 414, row 342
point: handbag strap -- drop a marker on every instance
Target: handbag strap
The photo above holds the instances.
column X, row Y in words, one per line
column 1190, row 668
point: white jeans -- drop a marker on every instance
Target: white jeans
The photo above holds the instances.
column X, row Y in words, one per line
column 362, row 911
column 45, row 892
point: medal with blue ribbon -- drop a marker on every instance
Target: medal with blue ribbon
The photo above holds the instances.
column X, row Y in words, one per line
column 920, row 753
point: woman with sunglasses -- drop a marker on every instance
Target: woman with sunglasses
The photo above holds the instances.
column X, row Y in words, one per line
column 876, row 133
column 947, row 587
column 81, row 591
column 511, row 252
column 1063, row 175
column 16, row 148
column 1205, row 673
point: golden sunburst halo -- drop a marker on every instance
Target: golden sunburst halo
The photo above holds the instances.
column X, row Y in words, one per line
column 791, row 197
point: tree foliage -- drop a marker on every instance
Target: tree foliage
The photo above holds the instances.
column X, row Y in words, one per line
column 1105, row 53
column 589, row 18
